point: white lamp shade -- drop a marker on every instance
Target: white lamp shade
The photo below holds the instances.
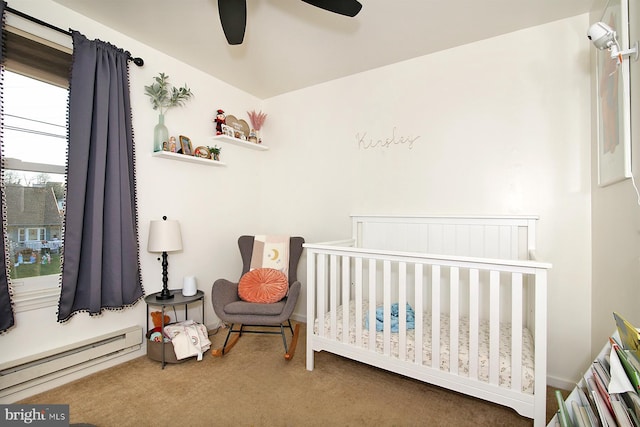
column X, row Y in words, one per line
column 164, row 236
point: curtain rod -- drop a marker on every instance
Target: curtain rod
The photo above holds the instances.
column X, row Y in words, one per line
column 138, row 61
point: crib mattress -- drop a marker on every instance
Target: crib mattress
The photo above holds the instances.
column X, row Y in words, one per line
column 463, row 345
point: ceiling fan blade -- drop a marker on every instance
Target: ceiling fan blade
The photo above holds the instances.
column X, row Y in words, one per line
column 233, row 17
column 343, row 7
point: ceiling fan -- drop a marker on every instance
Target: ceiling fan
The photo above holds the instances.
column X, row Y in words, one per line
column 233, row 14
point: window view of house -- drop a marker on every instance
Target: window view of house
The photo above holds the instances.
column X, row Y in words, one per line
column 35, row 143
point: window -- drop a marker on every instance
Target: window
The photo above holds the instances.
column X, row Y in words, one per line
column 35, row 144
column 35, row 92
column 34, row 109
column 32, row 233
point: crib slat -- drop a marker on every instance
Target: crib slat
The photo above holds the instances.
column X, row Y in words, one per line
column 435, row 238
column 435, row 316
column 540, row 356
column 474, row 320
column 516, row 331
column 419, row 309
column 386, row 273
column 510, row 247
column 312, row 286
column 371, row 299
column 346, row 289
column 322, row 292
column 402, row 302
column 333, row 294
column 476, row 240
column 494, row 326
column 454, row 319
column 358, row 284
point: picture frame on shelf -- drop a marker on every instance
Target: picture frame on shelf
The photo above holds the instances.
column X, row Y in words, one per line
column 238, row 124
column 228, row 131
column 202, row 152
column 185, row 145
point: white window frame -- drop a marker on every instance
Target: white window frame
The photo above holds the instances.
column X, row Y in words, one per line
column 39, row 295
column 26, row 232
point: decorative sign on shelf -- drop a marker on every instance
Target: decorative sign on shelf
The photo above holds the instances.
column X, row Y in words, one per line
column 366, row 142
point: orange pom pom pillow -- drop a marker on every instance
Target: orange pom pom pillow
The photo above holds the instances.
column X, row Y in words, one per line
column 263, row 285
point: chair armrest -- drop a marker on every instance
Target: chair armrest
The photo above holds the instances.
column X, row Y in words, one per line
column 223, row 292
column 292, row 299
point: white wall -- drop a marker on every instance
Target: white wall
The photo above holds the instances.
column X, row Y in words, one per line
column 213, row 204
column 502, row 127
column 616, row 219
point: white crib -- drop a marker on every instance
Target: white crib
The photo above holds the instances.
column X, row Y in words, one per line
column 479, row 304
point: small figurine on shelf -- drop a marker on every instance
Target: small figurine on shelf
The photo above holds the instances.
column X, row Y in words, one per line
column 253, row 137
column 215, row 152
column 219, row 120
column 172, row 144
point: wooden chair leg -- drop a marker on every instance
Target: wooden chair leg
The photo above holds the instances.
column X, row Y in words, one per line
column 228, row 344
column 294, row 342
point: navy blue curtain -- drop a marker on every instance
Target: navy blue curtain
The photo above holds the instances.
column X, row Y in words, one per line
column 6, row 307
column 100, row 263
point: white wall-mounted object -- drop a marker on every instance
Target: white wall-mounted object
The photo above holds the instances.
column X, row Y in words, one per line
column 240, row 142
column 185, row 158
column 605, row 37
column 32, row 370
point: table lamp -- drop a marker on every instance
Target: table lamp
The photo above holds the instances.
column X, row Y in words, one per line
column 164, row 236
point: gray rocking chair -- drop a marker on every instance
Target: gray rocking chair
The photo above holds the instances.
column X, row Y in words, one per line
column 231, row 309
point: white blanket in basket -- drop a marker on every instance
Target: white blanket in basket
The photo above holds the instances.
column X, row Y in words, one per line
column 188, row 338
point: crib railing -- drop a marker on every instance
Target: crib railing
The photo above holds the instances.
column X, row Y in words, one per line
column 483, row 290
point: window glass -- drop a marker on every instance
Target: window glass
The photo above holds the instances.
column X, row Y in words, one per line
column 34, row 120
column 35, row 144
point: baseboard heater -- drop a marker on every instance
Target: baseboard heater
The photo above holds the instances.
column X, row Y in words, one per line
column 30, row 371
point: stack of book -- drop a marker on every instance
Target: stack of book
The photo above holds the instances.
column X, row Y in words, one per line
column 609, row 393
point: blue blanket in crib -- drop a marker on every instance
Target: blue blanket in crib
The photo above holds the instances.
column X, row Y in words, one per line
column 395, row 318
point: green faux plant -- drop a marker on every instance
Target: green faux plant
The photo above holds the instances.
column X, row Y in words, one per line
column 215, row 150
column 163, row 96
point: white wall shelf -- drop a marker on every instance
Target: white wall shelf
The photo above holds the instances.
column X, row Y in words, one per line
column 185, row 158
column 240, row 142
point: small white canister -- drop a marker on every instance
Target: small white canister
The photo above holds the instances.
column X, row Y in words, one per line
column 189, row 287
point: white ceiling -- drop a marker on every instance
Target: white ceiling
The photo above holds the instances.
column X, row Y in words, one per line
column 289, row 44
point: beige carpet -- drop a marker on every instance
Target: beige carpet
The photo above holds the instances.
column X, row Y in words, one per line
column 254, row 386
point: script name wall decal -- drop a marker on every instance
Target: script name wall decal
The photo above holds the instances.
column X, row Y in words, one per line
column 366, row 142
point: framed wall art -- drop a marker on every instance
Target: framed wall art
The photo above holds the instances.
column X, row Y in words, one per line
column 202, row 152
column 228, row 131
column 185, row 145
column 613, row 101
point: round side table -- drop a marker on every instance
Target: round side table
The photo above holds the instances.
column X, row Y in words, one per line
column 178, row 299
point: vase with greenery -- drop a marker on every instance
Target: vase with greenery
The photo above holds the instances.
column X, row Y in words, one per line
column 164, row 96
column 215, row 152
